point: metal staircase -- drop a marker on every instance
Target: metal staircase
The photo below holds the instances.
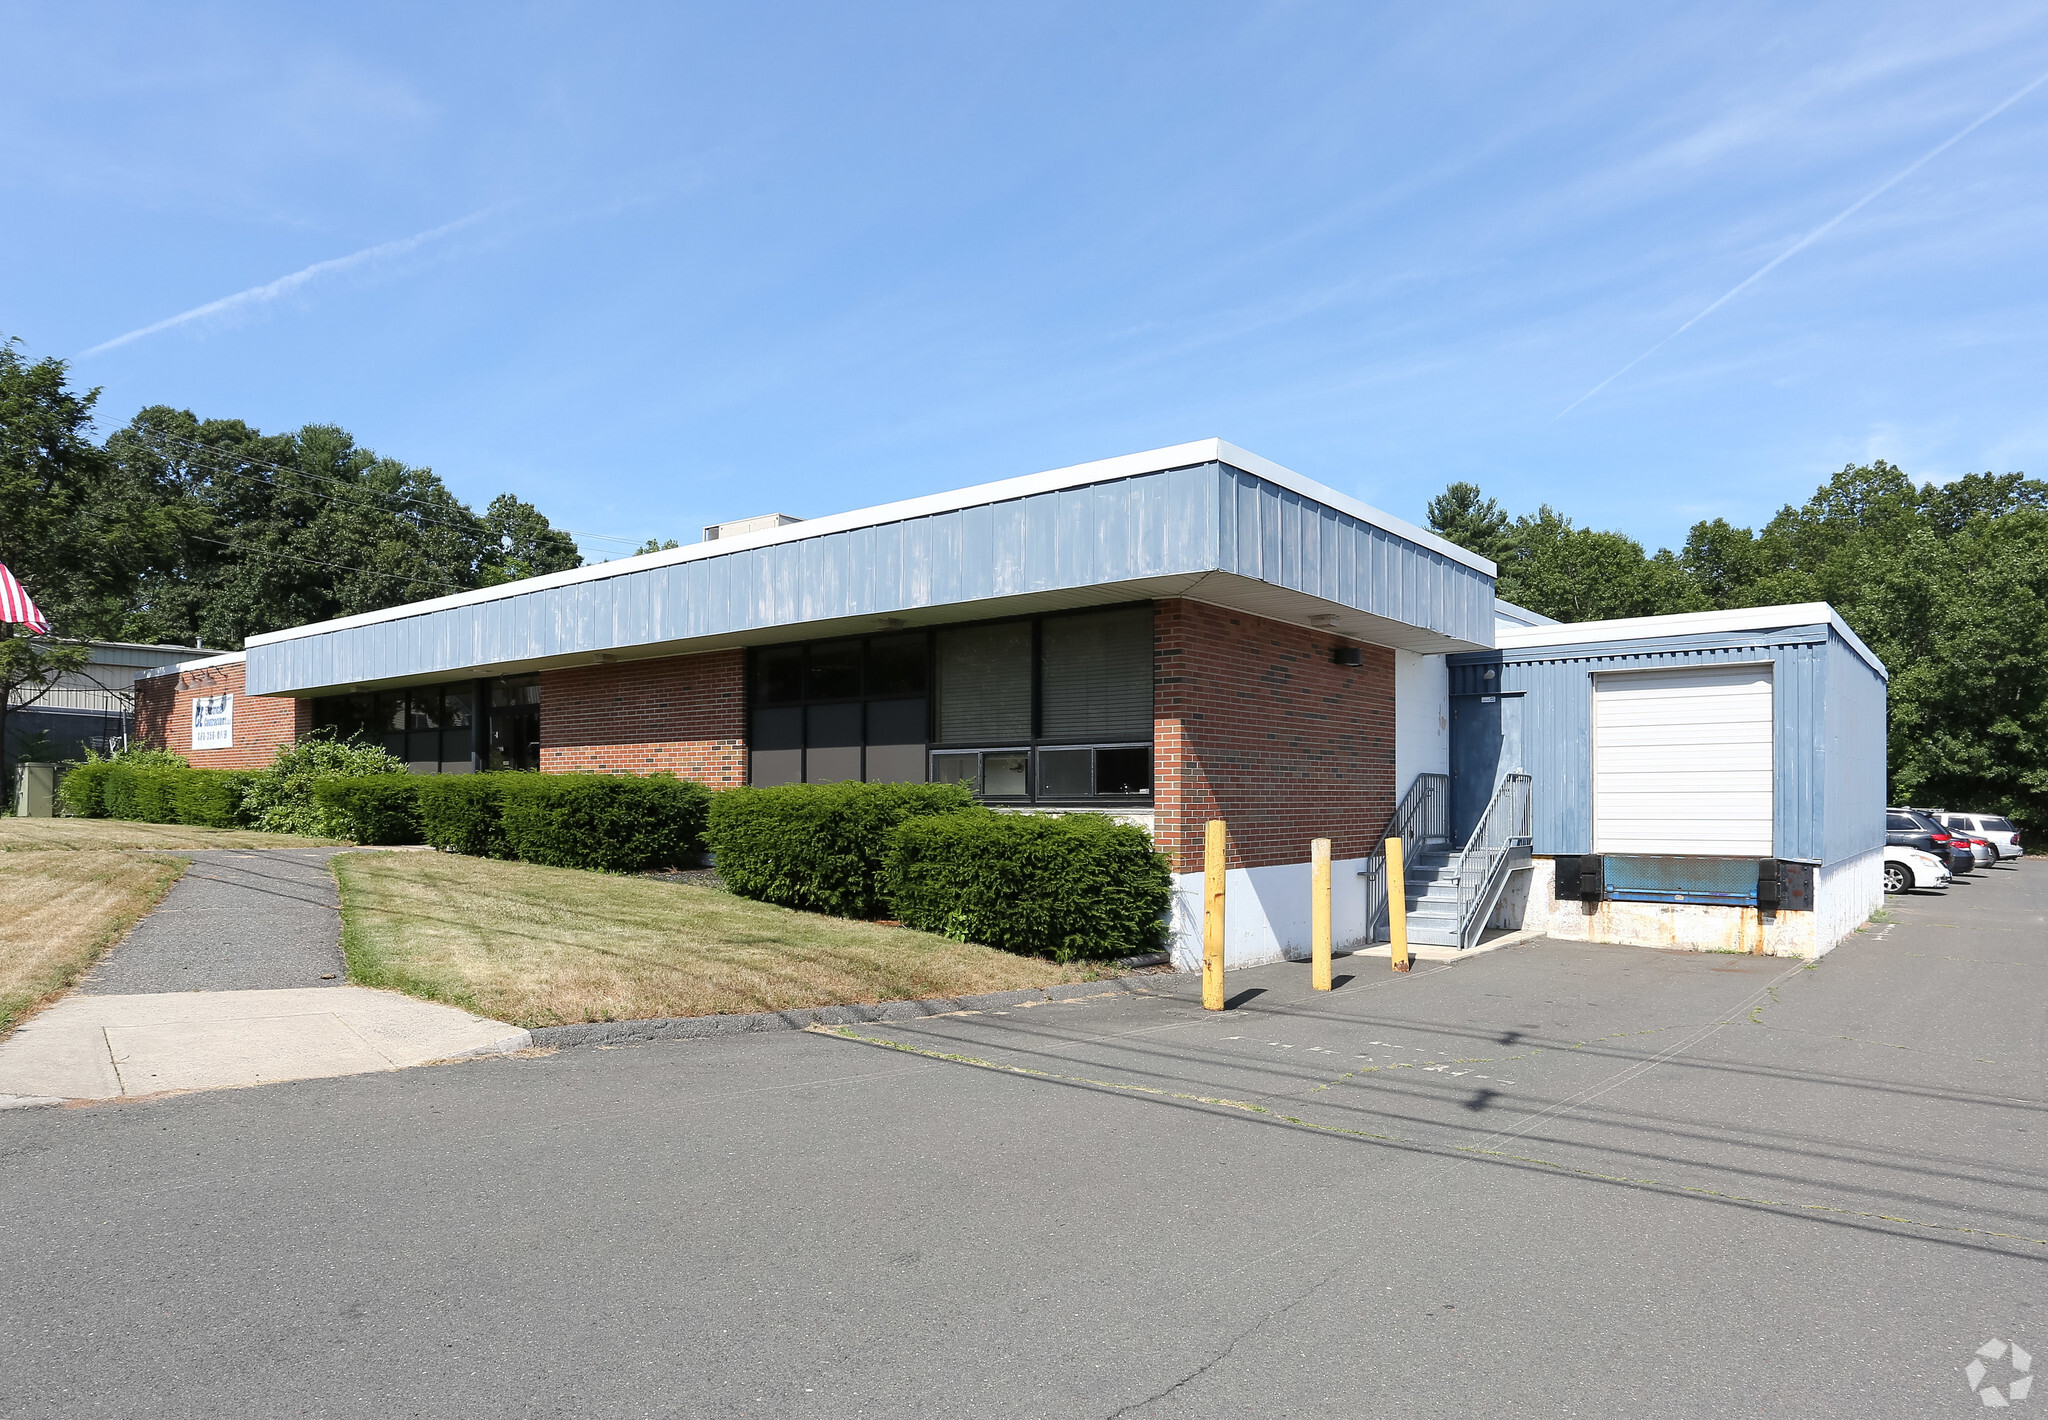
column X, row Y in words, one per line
column 1451, row 891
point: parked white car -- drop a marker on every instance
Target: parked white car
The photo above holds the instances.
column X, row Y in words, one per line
column 1908, row 868
column 1996, row 829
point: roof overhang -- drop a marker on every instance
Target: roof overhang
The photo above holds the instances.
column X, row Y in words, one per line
column 1738, row 621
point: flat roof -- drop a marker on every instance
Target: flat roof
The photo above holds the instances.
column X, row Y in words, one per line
column 1201, row 451
column 227, row 658
column 1685, row 623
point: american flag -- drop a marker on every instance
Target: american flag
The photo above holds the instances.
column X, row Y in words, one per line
column 16, row 607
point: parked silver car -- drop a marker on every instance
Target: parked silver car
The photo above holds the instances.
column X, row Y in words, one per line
column 1994, row 829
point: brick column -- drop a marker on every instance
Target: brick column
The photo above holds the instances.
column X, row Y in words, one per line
column 1255, row 723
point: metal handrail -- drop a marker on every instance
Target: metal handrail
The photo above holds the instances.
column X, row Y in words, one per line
column 1504, row 831
column 1422, row 816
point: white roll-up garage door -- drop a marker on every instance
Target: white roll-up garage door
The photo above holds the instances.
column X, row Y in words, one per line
column 1682, row 761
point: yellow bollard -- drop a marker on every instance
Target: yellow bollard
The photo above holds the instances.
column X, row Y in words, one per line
column 1397, row 906
column 1213, row 862
column 1319, row 910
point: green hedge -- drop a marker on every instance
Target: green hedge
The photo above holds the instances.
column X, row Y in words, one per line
column 461, row 813
column 613, row 823
column 820, row 847
column 84, row 789
column 142, row 795
column 1075, row 885
column 373, row 808
column 212, row 798
column 147, row 793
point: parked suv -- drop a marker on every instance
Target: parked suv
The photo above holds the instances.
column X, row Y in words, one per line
column 1994, row 829
column 1910, row 828
column 1981, row 850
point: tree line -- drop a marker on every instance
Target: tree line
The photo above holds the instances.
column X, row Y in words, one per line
column 1946, row 582
column 177, row 529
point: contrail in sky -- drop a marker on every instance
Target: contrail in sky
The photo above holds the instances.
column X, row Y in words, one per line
column 1815, row 235
column 284, row 285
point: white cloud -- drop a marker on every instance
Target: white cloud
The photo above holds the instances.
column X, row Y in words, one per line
column 285, row 285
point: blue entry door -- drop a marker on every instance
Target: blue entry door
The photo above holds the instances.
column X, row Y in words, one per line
column 1486, row 743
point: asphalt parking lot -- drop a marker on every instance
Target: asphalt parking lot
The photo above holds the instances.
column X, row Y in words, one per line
column 1555, row 1179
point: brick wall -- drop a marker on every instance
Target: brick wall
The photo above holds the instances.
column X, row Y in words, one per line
column 683, row 714
column 163, row 717
column 1256, row 724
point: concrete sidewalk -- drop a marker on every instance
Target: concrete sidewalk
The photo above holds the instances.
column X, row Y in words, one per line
column 90, row 1047
column 237, row 978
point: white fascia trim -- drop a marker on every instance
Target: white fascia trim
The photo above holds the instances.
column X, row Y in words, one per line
column 1687, row 623
column 232, row 658
column 1521, row 615
column 1102, row 471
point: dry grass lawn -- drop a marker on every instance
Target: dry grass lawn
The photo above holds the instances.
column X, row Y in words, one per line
column 25, row 834
column 59, row 911
column 548, row 946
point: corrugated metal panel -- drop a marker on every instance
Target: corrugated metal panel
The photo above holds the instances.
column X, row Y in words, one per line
column 1856, row 754
column 1557, row 728
column 1183, row 521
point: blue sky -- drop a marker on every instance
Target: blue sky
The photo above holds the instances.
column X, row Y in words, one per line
column 651, row 267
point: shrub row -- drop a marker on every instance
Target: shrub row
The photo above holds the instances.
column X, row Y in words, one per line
column 157, row 793
column 613, row 823
column 1063, row 886
column 819, row 847
column 607, row 822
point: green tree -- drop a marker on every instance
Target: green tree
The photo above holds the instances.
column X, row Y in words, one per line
column 1464, row 515
column 654, row 545
column 526, row 545
column 280, row 530
column 75, row 529
column 1577, row 574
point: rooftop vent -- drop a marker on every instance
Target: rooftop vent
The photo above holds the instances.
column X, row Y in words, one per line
column 740, row 527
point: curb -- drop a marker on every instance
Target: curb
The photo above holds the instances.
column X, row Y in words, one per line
column 706, row 1027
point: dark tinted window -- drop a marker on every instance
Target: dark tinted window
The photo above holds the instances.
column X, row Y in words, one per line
column 835, row 671
column 1123, row 771
column 1097, row 676
column 779, row 674
column 985, row 685
column 896, row 665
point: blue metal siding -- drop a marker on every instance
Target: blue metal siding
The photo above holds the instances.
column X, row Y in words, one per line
column 1810, row 819
column 1207, row 517
column 1856, row 767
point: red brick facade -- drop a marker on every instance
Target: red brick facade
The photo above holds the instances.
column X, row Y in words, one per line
column 163, row 717
column 1255, row 723
column 683, row 714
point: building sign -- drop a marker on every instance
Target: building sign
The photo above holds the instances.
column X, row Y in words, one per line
column 213, row 722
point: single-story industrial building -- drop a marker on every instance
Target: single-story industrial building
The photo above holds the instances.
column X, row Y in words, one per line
column 1712, row 780
column 1173, row 636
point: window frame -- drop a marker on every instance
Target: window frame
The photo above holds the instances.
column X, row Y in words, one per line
column 1030, row 746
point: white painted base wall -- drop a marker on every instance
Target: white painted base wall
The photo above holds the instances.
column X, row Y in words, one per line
column 1422, row 718
column 1266, row 911
column 1845, row 895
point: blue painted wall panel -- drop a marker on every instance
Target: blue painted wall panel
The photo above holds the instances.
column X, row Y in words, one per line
column 1179, row 522
column 1856, row 754
column 1828, row 710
